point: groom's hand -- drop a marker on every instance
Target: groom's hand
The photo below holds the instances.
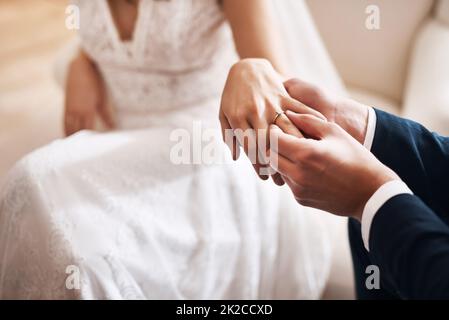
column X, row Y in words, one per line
column 330, row 171
column 351, row 115
column 253, row 96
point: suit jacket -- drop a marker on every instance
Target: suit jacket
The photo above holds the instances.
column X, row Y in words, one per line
column 409, row 237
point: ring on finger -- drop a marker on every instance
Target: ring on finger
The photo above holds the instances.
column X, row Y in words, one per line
column 278, row 114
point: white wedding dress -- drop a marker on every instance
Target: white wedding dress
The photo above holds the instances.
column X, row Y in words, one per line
column 110, row 216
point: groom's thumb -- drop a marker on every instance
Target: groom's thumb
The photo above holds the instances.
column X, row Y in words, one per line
column 307, row 93
column 309, row 125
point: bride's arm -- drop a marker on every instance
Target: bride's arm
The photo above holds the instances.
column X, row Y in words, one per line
column 84, row 96
column 254, row 92
column 256, row 31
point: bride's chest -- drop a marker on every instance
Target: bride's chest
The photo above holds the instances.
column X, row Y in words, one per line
column 165, row 32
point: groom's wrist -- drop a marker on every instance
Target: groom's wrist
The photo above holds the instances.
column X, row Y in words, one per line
column 357, row 120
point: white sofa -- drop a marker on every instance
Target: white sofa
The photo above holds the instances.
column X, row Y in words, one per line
column 402, row 68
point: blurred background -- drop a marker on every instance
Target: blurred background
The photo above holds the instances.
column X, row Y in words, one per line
column 31, row 33
column 402, row 67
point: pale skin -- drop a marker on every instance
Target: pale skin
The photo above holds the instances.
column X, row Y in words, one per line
column 330, row 169
column 254, row 92
column 251, row 99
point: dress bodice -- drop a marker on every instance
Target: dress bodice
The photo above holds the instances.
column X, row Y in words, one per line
column 179, row 55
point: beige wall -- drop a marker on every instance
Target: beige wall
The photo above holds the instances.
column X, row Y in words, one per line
column 374, row 60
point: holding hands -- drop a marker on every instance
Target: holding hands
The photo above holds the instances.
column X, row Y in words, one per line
column 330, row 171
column 318, row 149
column 253, row 97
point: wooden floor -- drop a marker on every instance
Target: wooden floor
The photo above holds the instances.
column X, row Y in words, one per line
column 31, row 33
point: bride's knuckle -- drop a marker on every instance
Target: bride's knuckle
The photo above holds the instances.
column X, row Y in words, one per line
column 232, row 113
column 252, row 108
column 240, row 113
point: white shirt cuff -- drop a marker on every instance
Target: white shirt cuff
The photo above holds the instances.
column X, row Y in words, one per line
column 377, row 200
column 370, row 129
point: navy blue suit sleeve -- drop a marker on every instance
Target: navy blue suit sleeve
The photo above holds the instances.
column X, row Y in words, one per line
column 410, row 245
column 418, row 156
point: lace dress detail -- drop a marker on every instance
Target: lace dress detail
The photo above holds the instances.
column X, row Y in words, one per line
column 110, row 216
column 179, row 55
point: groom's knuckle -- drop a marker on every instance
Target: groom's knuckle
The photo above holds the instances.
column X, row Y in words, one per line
column 298, row 176
column 295, row 89
column 298, row 156
column 307, row 155
column 313, row 92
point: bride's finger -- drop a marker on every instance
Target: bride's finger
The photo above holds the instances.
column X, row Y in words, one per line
column 246, row 136
column 228, row 137
column 262, row 128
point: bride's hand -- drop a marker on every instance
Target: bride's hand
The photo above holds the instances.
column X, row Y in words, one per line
column 85, row 97
column 253, row 96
